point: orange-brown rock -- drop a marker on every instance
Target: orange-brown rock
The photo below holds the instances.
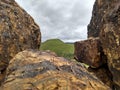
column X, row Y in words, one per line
column 97, row 21
column 110, row 39
column 18, row 31
column 36, row 70
column 103, row 74
column 105, row 23
column 90, row 52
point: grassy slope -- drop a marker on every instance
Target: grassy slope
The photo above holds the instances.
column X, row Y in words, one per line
column 59, row 47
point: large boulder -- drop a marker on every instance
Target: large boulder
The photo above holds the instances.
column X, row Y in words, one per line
column 36, row 70
column 18, row 31
column 97, row 21
column 110, row 39
column 105, row 23
column 90, row 52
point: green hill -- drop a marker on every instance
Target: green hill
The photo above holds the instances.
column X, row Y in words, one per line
column 59, row 47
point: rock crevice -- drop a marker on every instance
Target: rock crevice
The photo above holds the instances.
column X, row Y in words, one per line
column 105, row 25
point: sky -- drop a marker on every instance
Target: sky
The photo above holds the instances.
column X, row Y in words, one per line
column 63, row 19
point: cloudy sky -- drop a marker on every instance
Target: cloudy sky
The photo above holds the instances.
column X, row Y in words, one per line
column 63, row 19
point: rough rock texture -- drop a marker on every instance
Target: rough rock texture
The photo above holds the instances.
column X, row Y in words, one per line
column 18, row 31
column 89, row 52
column 103, row 74
column 99, row 10
column 110, row 39
column 105, row 23
column 2, row 76
column 36, row 70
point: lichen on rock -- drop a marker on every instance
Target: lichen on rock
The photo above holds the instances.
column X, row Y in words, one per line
column 36, row 70
column 18, row 31
column 110, row 39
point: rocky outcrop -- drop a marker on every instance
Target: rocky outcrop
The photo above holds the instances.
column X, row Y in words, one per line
column 90, row 52
column 36, row 70
column 110, row 39
column 103, row 74
column 97, row 21
column 105, row 25
column 18, row 31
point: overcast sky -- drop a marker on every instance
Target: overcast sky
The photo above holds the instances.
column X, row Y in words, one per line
column 63, row 19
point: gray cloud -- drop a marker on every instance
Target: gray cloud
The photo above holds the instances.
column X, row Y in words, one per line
column 63, row 19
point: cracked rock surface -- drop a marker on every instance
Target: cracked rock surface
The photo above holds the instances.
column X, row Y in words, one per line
column 18, row 31
column 110, row 39
column 36, row 70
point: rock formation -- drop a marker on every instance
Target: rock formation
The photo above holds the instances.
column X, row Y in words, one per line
column 105, row 25
column 99, row 10
column 18, row 31
column 36, row 70
column 110, row 39
column 90, row 52
column 103, row 74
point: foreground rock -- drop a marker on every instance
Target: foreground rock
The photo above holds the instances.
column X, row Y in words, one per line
column 35, row 70
column 90, row 52
column 110, row 39
column 18, row 31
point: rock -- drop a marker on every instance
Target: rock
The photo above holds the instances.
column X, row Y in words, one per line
column 110, row 39
column 2, row 75
column 105, row 23
column 103, row 74
column 18, row 31
column 90, row 52
column 36, row 70
column 97, row 21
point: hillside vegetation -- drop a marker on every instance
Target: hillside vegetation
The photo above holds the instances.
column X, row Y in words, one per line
column 59, row 47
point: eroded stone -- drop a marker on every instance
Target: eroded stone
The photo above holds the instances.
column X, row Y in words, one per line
column 38, row 70
column 90, row 52
column 18, row 31
column 110, row 38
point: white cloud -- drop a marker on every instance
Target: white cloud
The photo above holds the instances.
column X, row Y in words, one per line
column 64, row 19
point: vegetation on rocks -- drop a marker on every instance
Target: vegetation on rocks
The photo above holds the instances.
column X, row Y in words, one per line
column 24, row 67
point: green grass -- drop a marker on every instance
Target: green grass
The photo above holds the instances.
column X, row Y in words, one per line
column 59, row 47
